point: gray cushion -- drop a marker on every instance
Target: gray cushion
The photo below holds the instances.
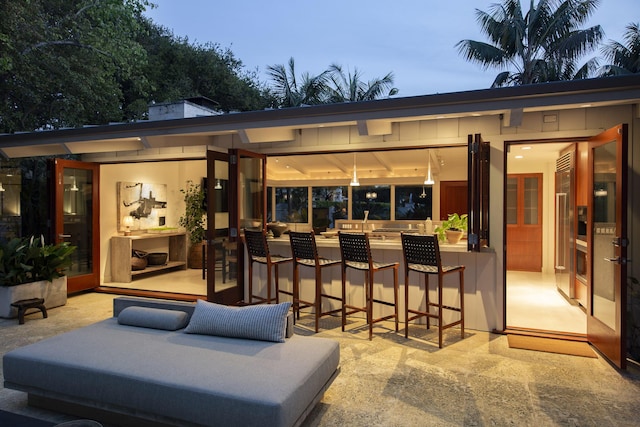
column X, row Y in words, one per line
column 155, row 318
column 265, row 322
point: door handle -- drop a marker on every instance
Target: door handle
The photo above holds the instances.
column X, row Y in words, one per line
column 617, row 260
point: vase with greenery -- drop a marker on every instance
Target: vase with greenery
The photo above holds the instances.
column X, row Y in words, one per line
column 454, row 223
column 194, row 220
column 30, row 268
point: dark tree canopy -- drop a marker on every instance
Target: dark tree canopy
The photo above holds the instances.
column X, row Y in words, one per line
column 68, row 63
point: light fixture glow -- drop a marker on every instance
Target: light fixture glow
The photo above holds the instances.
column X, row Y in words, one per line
column 74, row 187
column 127, row 221
column 1, row 187
column 429, row 180
column 354, row 182
column 519, row 156
column 218, row 185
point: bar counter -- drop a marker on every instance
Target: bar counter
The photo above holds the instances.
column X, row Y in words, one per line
column 479, row 279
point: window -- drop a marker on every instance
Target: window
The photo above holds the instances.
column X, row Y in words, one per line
column 375, row 198
column 413, row 202
column 329, row 204
column 292, row 204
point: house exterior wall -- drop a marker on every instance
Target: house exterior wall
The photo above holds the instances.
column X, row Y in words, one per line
column 536, row 126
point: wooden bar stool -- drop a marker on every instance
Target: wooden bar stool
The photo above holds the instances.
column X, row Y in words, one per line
column 422, row 255
column 356, row 254
column 305, row 253
column 258, row 250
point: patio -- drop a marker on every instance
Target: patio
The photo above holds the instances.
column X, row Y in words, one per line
column 393, row 381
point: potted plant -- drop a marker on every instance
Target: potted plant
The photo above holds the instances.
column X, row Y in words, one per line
column 29, row 268
column 193, row 221
column 452, row 228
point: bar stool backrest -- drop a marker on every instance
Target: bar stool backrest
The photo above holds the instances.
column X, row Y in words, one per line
column 354, row 247
column 257, row 246
column 421, row 249
column 303, row 245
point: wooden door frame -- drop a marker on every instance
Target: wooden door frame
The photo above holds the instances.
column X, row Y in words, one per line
column 86, row 281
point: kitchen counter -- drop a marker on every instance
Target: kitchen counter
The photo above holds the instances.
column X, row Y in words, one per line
column 479, row 276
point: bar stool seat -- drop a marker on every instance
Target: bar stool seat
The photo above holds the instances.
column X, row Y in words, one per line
column 305, row 253
column 356, row 254
column 258, row 250
column 421, row 254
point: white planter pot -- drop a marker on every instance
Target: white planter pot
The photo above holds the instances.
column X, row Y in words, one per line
column 54, row 294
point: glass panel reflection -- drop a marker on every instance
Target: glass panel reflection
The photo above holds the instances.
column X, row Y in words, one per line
column 78, row 214
column 604, row 231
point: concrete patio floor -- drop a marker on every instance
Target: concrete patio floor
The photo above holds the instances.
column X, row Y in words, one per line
column 390, row 381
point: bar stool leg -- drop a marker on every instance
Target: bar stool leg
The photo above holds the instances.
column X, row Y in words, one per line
column 406, row 303
column 250, row 282
column 439, row 311
column 461, row 303
column 395, row 295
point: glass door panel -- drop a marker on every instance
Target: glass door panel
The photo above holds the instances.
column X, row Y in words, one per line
column 607, row 243
column 76, row 220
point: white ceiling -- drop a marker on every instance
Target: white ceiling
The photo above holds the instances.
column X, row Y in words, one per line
column 394, row 164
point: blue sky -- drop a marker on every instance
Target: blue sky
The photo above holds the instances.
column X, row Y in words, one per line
column 414, row 39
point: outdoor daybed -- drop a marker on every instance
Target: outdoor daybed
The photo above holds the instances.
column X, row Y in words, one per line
column 149, row 374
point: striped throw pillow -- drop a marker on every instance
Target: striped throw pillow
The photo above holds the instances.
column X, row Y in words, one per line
column 266, row 322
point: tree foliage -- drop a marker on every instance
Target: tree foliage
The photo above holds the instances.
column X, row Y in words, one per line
column 623, row 58
column 69, row 63
column 177, row 69
column 62, row 62
column 331, row 86
column 542, row 45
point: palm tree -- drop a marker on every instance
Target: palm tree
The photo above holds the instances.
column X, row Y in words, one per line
column 349, row 88
column 310, row 91
column 623, row 59
column 543, row 45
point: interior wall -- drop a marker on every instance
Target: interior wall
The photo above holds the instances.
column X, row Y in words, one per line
column 174, row 174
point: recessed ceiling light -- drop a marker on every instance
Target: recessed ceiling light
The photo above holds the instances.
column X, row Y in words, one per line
column 519, row 157
column 526, row 147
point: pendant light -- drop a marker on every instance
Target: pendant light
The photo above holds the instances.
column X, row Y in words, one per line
column 429, row 180
column 218, row 185
column 354, row 182
column 74, row 187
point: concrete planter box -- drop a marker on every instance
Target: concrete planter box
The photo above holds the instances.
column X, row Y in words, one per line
column 54, row 294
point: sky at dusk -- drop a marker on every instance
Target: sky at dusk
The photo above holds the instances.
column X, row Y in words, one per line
column 414, row 39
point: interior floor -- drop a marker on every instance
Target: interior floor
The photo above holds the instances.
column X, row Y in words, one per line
column 187, row 281
column 533, row 302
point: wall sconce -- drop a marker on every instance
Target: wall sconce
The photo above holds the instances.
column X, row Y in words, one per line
column 127, row 221
column 354, row 182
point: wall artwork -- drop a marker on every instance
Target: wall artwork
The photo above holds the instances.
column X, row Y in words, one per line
column 145, row 203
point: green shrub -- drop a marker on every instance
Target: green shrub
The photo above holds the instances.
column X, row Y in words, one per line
column 25, row 260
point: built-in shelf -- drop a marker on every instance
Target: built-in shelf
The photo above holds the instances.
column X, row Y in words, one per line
column 121, row 247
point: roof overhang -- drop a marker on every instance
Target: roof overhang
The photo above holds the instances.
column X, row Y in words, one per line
column 371, row 118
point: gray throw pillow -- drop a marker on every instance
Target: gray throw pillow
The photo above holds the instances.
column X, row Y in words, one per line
column 155, row 318
column 266, row 322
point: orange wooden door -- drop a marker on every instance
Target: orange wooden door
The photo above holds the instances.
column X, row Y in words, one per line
column 524, row 222
column 453, row 198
